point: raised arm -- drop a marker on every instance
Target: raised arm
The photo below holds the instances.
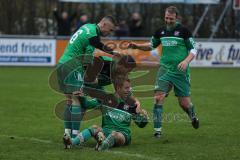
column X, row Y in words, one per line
column 154, row 43
column 96, row 42
column 143, row 47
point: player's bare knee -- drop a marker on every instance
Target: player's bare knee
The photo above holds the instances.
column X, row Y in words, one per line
column 114, row 134
column 119, row 138
column 68, row 99
column 94, row 129
column 75, row 101
column 159, row 98
column 97, row 128
column 184, row 103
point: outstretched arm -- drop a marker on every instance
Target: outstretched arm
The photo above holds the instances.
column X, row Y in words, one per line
column 144, row 46
column 96, row 42
column 154, row 43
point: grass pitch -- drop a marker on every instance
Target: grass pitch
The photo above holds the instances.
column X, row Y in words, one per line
column 30, row 130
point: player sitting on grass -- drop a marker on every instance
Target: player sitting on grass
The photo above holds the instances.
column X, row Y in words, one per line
column 110, row 70
column 116, row 121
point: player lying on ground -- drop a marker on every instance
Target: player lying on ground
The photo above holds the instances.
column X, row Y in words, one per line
column 115, row 130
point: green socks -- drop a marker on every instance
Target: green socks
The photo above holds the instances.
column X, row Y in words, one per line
column 72, row 118
column 108, row 142
column 190, row 111
column 157, row 117
column 82, row 137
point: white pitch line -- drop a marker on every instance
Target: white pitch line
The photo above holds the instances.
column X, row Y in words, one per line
column 28, row 138
column 134, row 155
column 111, row 152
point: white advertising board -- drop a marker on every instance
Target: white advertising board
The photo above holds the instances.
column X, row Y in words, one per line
column 27, row 52
column 217, row 54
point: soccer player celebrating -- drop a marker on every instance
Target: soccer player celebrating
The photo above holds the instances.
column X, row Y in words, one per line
column 71, row 67
column 115, row 122
column 178, row 50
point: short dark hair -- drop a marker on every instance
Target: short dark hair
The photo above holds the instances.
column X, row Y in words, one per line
column 172, row 10
column 111, row 19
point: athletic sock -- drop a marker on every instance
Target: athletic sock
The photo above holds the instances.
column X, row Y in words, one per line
column 108, row 142
column 157, row 117
column 77, row 115
column 67, row 120
column 82, row 137
column 190, row 111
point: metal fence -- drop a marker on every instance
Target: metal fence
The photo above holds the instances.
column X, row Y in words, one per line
column 32, row 17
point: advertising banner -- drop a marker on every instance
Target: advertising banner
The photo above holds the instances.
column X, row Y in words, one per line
column 217, row 54
column 209, row 54
column 27, row 52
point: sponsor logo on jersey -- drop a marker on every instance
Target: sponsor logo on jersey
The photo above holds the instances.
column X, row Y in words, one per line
column 176, row 33
column 169, row 43
column 119, row 116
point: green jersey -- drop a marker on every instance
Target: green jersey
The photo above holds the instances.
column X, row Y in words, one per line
column 116, row 119
column 83, row 42
column 176, row 45
column 119, row 118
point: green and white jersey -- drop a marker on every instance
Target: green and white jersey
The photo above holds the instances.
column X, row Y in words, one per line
column 83, row 42
column 120, row 117
column 176, row 45
column 116, row 119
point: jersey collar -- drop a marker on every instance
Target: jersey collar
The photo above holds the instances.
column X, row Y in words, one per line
column 173, row 28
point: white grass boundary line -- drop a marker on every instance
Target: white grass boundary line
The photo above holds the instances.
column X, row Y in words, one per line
column 136, row 155
column 33, row 139
column 28, row 138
